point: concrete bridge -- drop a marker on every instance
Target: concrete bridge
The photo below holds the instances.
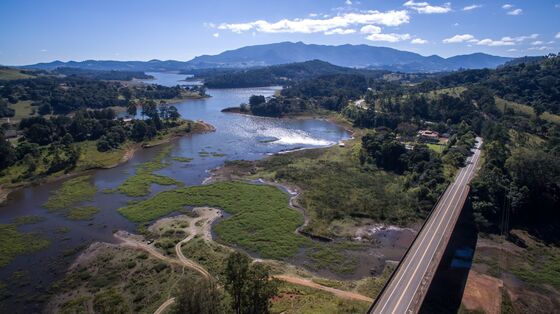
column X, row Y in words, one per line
column 404, row 292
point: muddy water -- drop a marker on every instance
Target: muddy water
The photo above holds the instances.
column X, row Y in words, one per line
column 237, row 137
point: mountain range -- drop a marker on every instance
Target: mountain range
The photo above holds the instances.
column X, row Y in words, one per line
column 355, row 56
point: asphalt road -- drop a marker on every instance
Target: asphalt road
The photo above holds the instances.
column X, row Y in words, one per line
column 405, row 290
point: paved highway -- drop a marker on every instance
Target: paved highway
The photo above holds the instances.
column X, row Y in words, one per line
column 407, row 287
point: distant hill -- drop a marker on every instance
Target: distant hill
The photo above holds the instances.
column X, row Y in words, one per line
column 277, row 74
column 356, row 56
column 360, row 56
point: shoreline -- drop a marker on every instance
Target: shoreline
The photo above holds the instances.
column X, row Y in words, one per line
column 127, row 156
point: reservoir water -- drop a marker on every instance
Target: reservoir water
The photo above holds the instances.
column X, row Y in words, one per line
column 236, row 137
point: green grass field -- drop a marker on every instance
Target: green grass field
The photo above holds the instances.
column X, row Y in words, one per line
column 436, row 147
column 14, row 243
column 91, row 158
column 261, row 221
column 525, row 110
column 23, row 109
column 12, row 74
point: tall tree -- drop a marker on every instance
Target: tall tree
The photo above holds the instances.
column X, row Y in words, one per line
column 236, row 278
column 201, row 296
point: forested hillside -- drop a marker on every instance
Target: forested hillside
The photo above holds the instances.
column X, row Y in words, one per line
column 535, row 82
column 521, row 175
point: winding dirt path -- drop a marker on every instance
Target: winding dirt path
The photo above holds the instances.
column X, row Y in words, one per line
column 161, row 309
column 309, row 283
column 201, row 226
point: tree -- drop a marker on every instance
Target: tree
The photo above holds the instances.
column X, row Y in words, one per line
column 236, row 278
column 139, row 130
column 173, row 113
column 255, row 100
column 260, row 289
column 45, row 109
column 249, row 285
column 7, row 155
column 201, row 296
column 5, row 111
column 132, row 110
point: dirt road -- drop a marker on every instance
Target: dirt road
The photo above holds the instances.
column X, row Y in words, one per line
column 339, row 293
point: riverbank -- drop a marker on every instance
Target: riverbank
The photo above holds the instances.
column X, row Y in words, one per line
column 91, row 159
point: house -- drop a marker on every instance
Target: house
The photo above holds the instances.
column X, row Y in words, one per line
column 428, row 136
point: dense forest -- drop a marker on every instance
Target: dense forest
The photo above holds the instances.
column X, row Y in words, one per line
column 61, row 95
column 288, row 74
column 535, row 82
column 49, row 142
column 102, row 75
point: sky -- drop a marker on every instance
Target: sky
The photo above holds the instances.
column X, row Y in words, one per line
column 47, row 30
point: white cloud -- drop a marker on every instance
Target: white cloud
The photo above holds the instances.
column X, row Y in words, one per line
column 537, row 42
column 313, row 14
column 340, row 31
column 515, row 12
column 43, row 50
column 494, row 43
column 557, row 35
column 456, row 24
column 426, row 8
column 316, row 25
column 507, row 6
column 391, row 38
column 521, row 38
column 348, row 2
column 370, row 29
column 472, row 7
column 512, row 50
column 418, row 41
column 458, row 39
column 541, row 48
column 216, row 35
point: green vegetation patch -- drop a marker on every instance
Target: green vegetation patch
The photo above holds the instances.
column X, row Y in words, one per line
column 139, row 184
column 28, row 220
column 91, row 158
column 297, row 299
column 71, row 193
column 208, row 254
column 261, row 222
column 181, row 159
column 333, row 259
column 436, row 148
column 23, row 109
column 335, row 185
column 82, row 213
column 114, row 279
column 525, row 110
column 13, row 74
column 14, row 243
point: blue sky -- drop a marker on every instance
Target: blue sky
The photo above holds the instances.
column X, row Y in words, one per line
column 39, row 31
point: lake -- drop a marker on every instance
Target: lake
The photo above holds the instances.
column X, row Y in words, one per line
column 237, row 137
